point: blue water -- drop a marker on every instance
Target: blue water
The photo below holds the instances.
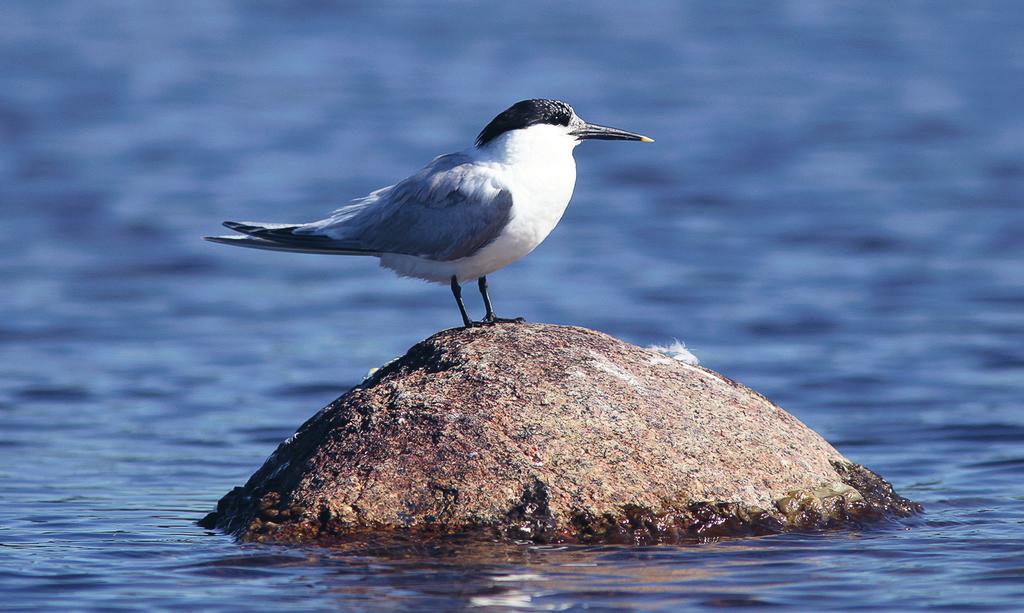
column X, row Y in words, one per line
column 832, row 214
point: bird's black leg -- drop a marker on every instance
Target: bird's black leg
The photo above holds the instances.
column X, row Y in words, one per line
column 489, row 316
column 482, row 284
column 457, row 291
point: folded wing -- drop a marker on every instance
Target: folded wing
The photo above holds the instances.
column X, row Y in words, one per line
column 449, row 210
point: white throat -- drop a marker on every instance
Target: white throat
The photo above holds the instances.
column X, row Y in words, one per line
column 536, row 164
column 535, row 145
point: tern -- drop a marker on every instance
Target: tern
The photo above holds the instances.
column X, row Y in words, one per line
column 465, row 214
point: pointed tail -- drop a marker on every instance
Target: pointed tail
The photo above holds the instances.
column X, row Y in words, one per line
column 282, row 237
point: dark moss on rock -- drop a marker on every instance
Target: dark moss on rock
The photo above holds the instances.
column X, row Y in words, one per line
column 551, row 434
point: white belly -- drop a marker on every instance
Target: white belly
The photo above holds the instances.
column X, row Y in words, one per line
column 537, row 166
column 532, row 218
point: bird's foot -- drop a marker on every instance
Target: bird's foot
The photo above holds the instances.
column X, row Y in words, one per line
column 491, row 318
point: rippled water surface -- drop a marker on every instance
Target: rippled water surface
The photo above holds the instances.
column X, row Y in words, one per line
column 831, row 214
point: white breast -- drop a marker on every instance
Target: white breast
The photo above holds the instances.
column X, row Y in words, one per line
column 537, row 166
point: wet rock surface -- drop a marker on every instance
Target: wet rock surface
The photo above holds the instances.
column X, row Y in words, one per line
column 551, row 434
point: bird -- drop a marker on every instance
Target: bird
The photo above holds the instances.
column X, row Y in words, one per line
column 462, row 216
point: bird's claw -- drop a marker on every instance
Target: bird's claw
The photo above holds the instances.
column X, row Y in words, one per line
column 491, row 318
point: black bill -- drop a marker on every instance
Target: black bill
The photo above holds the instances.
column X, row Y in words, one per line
column 595, row 131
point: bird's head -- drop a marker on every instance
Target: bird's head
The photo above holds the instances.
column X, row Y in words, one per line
column 555, row 119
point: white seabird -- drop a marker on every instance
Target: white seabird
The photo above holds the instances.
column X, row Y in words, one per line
column 465, row 214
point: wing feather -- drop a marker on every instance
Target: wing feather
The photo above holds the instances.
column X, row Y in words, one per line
column 449, row 210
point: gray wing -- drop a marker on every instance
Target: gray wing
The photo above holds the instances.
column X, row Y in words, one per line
column 449, row 210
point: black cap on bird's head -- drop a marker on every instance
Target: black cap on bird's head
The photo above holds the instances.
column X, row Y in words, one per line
column 536, row 111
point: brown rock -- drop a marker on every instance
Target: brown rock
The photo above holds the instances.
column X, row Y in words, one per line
column 550, row 433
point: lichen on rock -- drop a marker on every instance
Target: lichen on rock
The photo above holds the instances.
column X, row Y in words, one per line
column 551, row 434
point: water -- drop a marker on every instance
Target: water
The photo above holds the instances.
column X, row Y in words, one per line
column 831, row 214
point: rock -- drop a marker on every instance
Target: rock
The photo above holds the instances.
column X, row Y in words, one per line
column 551, row 434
